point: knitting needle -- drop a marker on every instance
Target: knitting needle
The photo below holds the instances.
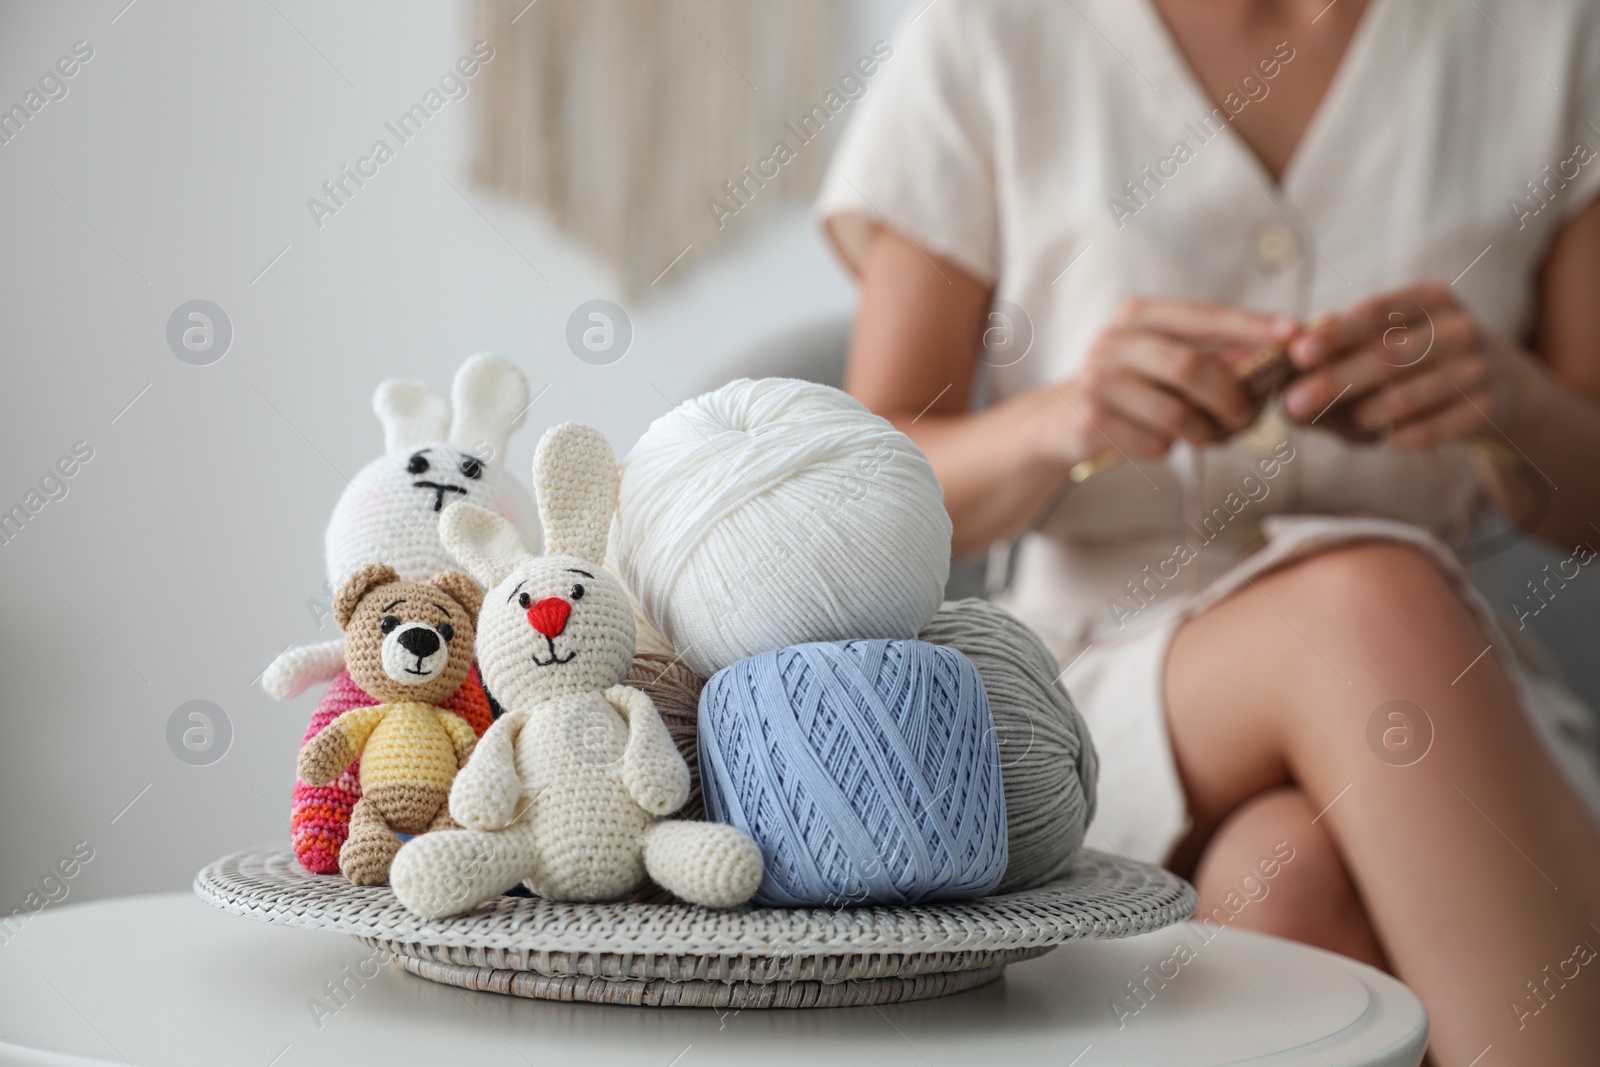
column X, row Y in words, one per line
column 1263, row 374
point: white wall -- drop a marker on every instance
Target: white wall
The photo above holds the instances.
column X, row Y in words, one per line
column 180, row 561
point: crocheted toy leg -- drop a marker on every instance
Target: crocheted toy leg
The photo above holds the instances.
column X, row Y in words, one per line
column 450, row 872
column 703, row 862
column 406, row 807
column 370, row 847
column 442, row 820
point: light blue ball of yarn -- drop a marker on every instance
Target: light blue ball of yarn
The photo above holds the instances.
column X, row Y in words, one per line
column 867, row 772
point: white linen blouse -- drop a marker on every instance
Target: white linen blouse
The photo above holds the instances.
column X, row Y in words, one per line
column 1064, row 152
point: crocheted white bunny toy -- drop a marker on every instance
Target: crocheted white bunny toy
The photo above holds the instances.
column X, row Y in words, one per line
column 565, row 790
column 435, row 452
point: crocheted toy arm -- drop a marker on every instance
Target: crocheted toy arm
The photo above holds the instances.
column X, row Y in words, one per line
column 339, row 744
column 298, row 669
column 485, row 792
column 462, row 736
column 652, row 768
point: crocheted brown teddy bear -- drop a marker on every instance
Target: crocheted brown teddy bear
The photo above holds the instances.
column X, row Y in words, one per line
column 409, row 644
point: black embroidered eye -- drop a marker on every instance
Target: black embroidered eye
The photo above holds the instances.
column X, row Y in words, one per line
column 471, row 468
column 446, row 631
column 525, row 600
column 388, row 623
column 576, row 593
column 418, row 464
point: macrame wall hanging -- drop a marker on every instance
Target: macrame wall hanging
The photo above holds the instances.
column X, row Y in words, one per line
column 630, row 121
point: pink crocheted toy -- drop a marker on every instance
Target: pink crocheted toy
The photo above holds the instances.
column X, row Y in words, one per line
column 435, row 452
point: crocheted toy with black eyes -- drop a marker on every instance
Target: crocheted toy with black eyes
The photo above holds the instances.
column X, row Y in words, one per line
column 410, row 645
column 436, row 451
column 567, row 789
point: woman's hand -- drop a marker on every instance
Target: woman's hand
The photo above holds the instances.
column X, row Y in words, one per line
column 1161, row 373
column 1412, row 366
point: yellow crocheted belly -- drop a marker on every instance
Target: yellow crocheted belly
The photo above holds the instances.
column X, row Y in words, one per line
column 409, row 747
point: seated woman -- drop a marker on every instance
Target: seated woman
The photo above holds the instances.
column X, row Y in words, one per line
column 1071, row 223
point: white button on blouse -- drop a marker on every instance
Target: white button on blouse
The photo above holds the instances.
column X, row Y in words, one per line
column 1275, row 245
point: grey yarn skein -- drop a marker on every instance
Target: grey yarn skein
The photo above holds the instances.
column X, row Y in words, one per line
column 1047, row 759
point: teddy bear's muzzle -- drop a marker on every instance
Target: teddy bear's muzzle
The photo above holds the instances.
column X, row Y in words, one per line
column 420, row 641
column 415, row 654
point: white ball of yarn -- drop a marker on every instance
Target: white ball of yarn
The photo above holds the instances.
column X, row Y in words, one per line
column 774, row 512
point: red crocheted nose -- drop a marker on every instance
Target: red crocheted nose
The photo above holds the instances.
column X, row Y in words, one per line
column 549, row 616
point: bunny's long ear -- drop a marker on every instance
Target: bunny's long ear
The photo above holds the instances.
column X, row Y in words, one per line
column 489, row 398
column 576, row 479
column 412, row 415
column 484, row 543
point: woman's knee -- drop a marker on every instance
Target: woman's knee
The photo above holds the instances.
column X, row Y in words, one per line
column 1249, row 855
column 1353, row 608
column 1380, row 614
column 1383, row 623
column 1369, row 582
column 1273, row 869
column 1265, row 682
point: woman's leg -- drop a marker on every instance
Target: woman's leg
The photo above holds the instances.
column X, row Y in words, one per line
column 1479, row 869
column 1273, row 869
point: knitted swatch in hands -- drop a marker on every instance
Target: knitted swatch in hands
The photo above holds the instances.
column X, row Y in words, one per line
column 409, row 644
column 566, row 791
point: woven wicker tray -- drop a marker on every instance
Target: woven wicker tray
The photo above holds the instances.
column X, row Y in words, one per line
column 682, row 955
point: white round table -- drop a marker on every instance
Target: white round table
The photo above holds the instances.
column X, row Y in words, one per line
column 167, row 980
